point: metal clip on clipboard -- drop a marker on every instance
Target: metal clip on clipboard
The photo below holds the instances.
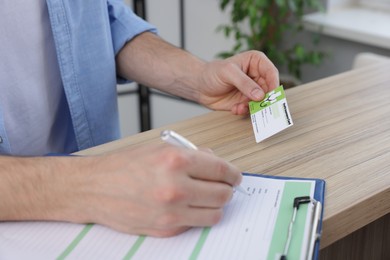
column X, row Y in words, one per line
column 315, row 221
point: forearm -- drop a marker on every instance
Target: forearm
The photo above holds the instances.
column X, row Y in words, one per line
column 38, row 189
column 158, row 190
column 219, row 85
column 149, row 60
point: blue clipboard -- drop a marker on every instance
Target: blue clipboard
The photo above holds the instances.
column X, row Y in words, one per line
column 317, row 214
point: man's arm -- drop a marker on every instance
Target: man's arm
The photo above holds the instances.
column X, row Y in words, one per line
column 157, row 190
column 42, row 188
column 221, row 85
column 149, row 60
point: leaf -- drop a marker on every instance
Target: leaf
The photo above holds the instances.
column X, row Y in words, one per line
column 252, row 16
column 223, row 4
column 237, row 47
column 227, row 31
column 238, row 35
column 264, row 22
column 261, row 3
column 225, row 54
column 292, row 5
column 280, row 3
column 315, row 57
column 271, row 22
column 252, row 11
column 299, row 52
column 316, row 5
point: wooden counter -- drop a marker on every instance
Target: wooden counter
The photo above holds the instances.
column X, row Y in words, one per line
column 341, row 133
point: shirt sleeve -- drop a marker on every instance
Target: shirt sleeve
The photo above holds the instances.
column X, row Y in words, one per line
column 125, row 25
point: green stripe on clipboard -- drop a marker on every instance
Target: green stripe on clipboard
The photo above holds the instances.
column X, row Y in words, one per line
column 75, row 242
column 291, row 190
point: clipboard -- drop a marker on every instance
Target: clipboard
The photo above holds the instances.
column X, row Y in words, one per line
column 243, row 233
column 316, row 215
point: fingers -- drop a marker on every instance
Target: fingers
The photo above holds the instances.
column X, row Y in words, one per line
column 254, row 74
column 196, row 178
column 238, row 78
column 206, row 166
column 198, row 165
column 206, row 194
column 263, row 70
column 162, row 191
column 201, row 179
column 186, row 190
column 240, row 109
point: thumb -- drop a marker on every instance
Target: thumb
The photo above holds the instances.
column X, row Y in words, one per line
column 257, row 73
column 250, row 88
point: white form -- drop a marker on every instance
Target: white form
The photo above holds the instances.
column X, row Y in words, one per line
column 253, row 227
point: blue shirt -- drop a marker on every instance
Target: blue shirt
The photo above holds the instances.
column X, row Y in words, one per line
column 87, row 36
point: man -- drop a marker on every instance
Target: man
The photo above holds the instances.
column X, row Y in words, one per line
column 62, row 60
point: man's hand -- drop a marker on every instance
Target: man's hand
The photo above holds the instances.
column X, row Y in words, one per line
column 159, row 190
column 220, row 85
column 231, row 83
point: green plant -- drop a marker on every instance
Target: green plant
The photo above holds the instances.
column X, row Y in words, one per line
column 262, row 24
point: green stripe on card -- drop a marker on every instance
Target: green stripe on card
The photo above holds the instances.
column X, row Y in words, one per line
column 134, row 248
column 199, row 245
column 75, row 242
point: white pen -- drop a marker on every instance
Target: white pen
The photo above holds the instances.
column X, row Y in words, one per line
column 174, row 138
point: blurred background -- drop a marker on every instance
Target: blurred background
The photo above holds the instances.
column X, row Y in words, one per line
column 314, row 39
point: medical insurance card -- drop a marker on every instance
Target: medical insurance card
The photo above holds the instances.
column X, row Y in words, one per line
column 271, row 115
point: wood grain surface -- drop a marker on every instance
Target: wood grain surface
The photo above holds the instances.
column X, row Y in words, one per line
column 341, row 133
